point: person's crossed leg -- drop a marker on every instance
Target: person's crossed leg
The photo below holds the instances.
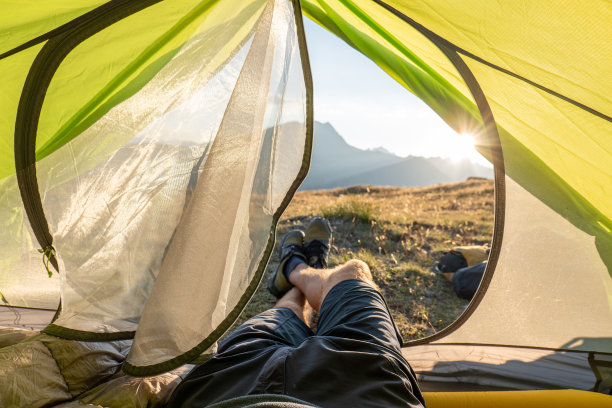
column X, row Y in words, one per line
column 354, row 359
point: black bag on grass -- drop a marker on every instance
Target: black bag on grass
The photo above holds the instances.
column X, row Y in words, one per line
column 466, row 280
column 451, row 262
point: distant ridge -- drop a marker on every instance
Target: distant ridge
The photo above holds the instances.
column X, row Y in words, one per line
column 335, row 163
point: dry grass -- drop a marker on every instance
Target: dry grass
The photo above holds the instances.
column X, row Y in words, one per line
column 400, row 233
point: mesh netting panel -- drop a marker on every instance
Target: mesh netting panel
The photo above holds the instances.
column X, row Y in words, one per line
column 222, row 236
column 114, row 196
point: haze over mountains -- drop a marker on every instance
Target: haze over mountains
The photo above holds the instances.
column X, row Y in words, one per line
column 335, row 163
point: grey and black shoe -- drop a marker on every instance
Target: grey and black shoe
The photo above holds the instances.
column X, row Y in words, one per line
column 317, row 241
column 290, row 249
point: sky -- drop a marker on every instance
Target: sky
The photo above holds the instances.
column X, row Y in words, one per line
column 370, row 109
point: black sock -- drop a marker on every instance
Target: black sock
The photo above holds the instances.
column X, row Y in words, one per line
column 291, row 264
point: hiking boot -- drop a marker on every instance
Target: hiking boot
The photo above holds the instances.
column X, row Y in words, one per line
column 316, row 242
column 291, row 254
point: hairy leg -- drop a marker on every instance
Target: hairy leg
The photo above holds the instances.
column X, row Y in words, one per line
column 295, row 300
column 316, row 283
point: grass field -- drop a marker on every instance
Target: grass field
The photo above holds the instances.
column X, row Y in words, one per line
column 400, row 233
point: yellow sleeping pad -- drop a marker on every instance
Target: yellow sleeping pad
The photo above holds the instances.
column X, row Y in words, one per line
column 518, row 399
column 473, row 254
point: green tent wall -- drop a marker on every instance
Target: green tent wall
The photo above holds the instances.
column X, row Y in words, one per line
column 82, row 81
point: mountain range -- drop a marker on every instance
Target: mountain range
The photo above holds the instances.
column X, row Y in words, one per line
column 335, row 163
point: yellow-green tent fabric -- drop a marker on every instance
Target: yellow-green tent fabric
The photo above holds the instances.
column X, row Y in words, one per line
column 133, row 132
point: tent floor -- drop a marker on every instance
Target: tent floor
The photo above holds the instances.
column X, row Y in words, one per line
column 25, row 318
column 453, row 367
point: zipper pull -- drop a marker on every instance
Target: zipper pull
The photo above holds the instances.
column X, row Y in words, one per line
column 48, row 257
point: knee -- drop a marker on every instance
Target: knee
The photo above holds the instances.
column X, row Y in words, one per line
column 357, row 266
column 356, row 269
column 353, row 269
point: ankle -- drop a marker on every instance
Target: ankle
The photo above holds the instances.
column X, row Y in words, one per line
column 294, row 275
column 294, row 263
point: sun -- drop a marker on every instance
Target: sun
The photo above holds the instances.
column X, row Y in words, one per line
column 461, row 146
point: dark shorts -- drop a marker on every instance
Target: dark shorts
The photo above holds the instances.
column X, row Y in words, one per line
column 354, row 360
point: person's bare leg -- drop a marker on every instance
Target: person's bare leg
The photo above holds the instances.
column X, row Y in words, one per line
column 294, row 299
column 316, row 283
